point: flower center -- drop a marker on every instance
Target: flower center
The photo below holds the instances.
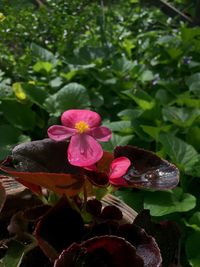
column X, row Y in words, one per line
column 81, row 127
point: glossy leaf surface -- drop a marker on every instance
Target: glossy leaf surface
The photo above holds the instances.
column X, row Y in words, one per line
column 147, row 170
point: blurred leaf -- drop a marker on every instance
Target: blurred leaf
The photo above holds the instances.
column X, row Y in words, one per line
column 41, row 66
column 71, row 96
column 18, row 115
column 192, row 249
column 193, row 137
column 132, row 198
column 120, row 126
column 183, row 117
column 116, row 140
column 144, row 100
column 146, row 76
column 181, row 153
column 35, row 94
column 14, row 254
column 43, row 54
column 169, row 202
column 18, row 90
column 8, row 137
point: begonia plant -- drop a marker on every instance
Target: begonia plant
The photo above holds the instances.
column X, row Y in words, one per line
column 75, row 229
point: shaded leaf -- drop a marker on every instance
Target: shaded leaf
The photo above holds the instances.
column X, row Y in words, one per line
column 167, row 235
column 100, row 251
column 71, row 96
column 145, row 245
column 14, row 254
column 65, row 225
column 2, row 196
column 181, row 153
column 192, row 249
column 183, row 117
column 33, row 162
column 18, row 115
column 169, row 202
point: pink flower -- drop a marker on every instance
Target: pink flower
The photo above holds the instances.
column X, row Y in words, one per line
column 118, row 169
column 83, row 126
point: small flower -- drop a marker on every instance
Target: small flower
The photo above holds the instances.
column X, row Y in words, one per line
column 118, row 169
column 83, row 127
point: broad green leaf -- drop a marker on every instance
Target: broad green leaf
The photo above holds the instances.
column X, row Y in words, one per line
column 187, row 100
column 165, row 202
column 144, row 100
column 194, row 78
column 120, row 126
column 194, row 221
column 35, row 94
column 19, row 115
column 195, row 88
column 43, row 54
column 146, row 76
column 182, row 117
column 8, row 136
column 130, row 114
column 192, row 249
column 42, row 66
column 123, row 65
column 71, row 96
column 14, row 254
column 116, row 140
column 193, row 137
column 181, row 153
column 132, row 198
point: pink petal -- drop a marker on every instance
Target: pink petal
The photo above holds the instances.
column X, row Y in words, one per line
column 102, row 133
column 118, row 168
column 91, row 168
column 60, row 133
column 84, row 150
column 70, row 117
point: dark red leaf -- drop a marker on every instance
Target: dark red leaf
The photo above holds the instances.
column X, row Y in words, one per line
column 167, row 235
column 147, row 169
column 104, row 251
column 44, row 164
column 2, row 196
column 59, row 228
column 145, row 245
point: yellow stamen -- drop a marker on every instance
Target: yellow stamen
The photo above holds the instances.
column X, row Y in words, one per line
column 81, row 127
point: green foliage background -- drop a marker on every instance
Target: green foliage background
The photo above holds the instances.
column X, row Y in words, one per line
column 137, row 67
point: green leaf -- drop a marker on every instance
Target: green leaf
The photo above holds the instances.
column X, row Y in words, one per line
column 144, row 100
column 181, row 153
column 146, row 76
column 71, row 96
column 134, row 199
column 14, row 254
column 43, row 54
column 151, row 130
column 116, row 140
column 35, row 94
column 183, row 117
column 8, row 136
column 193, row 137
column 42, row 66
column 192, row 249
column 120, row 126
column 194, row 221
column 169, row 202
column 19, row 115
